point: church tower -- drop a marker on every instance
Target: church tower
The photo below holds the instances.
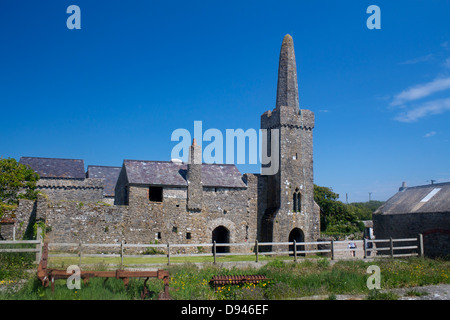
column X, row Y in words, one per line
column 289, row 211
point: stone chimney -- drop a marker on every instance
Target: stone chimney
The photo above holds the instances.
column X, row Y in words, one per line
column 403, row 187
column 194, row 178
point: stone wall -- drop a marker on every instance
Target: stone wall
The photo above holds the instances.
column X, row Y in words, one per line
column 23, row 217
column 435, row 228
column 170, row 221
column 144, row 221
column 89, row 189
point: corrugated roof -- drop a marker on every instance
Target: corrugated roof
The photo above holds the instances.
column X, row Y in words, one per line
column 55, row 167
column 174, row 174
column 428, row 198
column 109, row 174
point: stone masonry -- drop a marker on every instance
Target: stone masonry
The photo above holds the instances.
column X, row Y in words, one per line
column 174, row 202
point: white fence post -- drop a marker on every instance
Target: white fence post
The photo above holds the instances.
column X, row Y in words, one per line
column 39, row 245
column 79, row 253
column 332, row 249
column 168, row 253
column 365, row 248
column 121, row 254
column 420, row 245
column 295, row 251
column 391, row 246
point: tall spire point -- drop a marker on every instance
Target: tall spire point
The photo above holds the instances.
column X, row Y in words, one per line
column 287, row 89
column 288, row 37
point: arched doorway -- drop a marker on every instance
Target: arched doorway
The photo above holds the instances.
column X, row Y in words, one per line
column 221, row 235
column 297, row 235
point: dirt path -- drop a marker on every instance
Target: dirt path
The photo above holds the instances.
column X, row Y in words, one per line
column 432, row 292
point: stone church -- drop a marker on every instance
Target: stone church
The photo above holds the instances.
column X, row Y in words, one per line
column 194, row 202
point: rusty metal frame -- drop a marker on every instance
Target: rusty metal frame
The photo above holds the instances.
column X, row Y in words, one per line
column 48, row 276
column 217, row 281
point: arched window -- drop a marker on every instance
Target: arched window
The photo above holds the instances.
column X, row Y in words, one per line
column 297, row 200
column 294, row 202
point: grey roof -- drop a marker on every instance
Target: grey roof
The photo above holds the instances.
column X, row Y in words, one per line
column 55, row 167
column 109, row 174
column 421, row 199
column 174, row 174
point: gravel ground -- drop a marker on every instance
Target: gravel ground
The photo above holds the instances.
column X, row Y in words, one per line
column 434, row 292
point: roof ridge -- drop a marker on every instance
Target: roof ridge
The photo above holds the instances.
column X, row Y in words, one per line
column 93, row 165
column 169, row 161
column 50, row 158
column 429, row 185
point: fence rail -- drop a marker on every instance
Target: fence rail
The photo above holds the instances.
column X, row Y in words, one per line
column 37, row 247
column 295, row 249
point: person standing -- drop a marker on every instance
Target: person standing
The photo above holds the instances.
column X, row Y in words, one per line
column 352, row 247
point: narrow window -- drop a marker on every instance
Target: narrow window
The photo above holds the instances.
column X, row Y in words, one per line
column 158, row 236
column 155, row 194
column 294, row 202
column 174, row 229
column 297, row 200
column 188, row 235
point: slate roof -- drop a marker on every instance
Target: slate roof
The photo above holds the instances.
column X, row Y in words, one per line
column 109, row 174
column 421, row 199
column 174, row 174
column 55, row 167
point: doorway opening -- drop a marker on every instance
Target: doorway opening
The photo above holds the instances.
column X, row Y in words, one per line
column 221, row 235
column 297, row 235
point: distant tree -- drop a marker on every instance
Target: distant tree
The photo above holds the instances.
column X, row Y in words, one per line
column 17, row 181
column 364, row 210
column 336, row 216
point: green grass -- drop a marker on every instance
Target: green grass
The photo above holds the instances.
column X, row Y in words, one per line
column 287, row 280
column 67, row 261
column 14, row 264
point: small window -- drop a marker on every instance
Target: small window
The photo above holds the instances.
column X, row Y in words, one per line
column 158, row 236
column 297, row 201
column 188, row 235
column 174, row 229
column 155, row 194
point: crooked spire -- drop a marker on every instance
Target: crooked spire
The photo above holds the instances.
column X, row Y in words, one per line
column 287, row 89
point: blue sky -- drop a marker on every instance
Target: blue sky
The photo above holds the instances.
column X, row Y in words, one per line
column 138, row 70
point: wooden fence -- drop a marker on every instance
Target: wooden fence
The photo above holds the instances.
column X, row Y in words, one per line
column 36, row 243
column 380, row 248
